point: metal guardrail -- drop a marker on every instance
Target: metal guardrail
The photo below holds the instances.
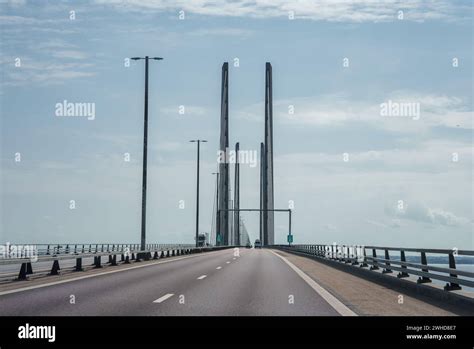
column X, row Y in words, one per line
column 357, row 256
column 28, row 254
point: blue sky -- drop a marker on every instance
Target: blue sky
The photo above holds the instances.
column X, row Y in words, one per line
column 337, row 111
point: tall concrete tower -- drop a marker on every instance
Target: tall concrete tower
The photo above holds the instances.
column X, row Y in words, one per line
column 222, row 236
column 236, row 240
column 268, row 202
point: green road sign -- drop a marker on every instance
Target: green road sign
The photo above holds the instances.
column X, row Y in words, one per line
column 290, row 238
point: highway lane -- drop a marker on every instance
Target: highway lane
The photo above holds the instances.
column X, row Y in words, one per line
column 213, row 283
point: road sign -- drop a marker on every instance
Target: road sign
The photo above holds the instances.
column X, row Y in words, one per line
column 219, row 237
column 290, row 238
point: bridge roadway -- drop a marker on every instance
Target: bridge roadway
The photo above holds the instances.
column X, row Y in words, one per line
column 258, row 282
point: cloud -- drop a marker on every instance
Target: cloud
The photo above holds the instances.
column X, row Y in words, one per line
column 222, row 32
column 70, row 54
column 392, row 224
column 418, row 212
column 51, row 44
column 322, row 10
column 169, row 146
column 34, row 71
column 18, row 20
column 13, row 3
column 334, row 110
column 329, row 226
column 430, row 157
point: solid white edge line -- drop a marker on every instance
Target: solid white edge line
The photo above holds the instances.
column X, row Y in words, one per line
column 201, row 277
column 165, row 297
column 332, row 301
column 94, row 275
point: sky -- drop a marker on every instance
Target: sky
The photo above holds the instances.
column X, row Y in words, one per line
column 352, row 173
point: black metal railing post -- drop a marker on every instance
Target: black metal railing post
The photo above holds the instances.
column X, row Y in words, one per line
column 364, row 260
column 374, row 261
column 424, row 279
column 403, row 274
column 452, row 286
column 387, row 269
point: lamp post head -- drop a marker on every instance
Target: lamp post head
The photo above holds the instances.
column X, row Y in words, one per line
column 154, row 58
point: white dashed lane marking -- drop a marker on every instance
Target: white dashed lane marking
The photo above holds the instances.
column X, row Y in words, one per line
column 165, row 297
column 201, row 277
column 219, row 267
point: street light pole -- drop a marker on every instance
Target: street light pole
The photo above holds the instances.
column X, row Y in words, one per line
column 198, row 141
column 217, row 206
column 145, row 144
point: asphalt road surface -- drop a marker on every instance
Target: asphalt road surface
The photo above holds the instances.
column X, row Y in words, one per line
column 258, row 282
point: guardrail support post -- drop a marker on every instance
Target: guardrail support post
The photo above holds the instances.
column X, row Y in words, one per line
column 155, row 255
column 114, row 260
column 364, row 261
column 374, row 262
column 355, row 255
column 29, row 268
column 97, row 260
column 452, row 286
column 347, row 255
column 387, row 269
column 78, row 265
column 424, row 279
column 55, row 269
column 22, row 273
column 403, row 259
column 138, row 257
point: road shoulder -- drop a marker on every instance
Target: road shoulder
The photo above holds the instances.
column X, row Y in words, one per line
column 362, row 296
